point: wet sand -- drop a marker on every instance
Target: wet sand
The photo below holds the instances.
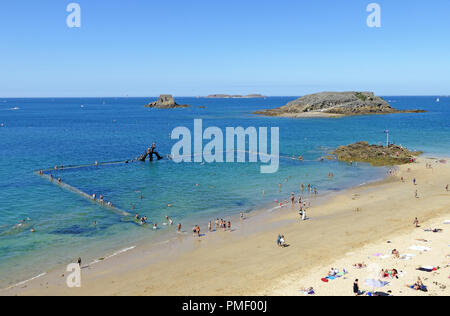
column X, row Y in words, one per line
column 247, row 261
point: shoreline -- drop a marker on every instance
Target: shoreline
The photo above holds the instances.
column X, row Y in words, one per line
column 137, row 270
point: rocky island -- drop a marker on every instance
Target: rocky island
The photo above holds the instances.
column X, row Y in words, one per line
column 376, row 155
column 237, row 96
column 165, row 101
column 335, row 104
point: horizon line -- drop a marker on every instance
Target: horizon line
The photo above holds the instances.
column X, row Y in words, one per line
column 204, row 97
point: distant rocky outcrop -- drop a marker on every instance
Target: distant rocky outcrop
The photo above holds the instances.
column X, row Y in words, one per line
column 376, row 155
column 335, row 104
column 236, row 96
column 165, row 101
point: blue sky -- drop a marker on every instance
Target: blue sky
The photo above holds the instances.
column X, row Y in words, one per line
column 197, row 47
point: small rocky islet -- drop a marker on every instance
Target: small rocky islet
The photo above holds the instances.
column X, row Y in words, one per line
column 335, row 104
column 166, row 101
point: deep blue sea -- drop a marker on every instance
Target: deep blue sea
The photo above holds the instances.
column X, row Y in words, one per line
column 41, row 133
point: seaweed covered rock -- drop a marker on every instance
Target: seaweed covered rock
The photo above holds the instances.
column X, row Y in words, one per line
column 376, row 155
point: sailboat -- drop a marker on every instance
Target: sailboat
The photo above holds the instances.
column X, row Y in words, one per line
column 437, row 100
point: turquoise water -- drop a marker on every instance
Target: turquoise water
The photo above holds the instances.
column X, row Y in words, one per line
column 42, row 133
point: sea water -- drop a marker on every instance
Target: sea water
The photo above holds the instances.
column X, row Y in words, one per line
column 41, row 133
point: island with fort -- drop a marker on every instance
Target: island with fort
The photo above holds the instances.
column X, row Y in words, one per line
column 166, row 101
column 376, row 155
column 335, row 104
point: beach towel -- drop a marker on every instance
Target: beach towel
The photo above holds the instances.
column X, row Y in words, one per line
column 407, row 256
column 375, row 283
column 324, row 280
column 423, row 288
column 420, row 248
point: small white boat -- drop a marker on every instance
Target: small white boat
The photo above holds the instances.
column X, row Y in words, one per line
column 16, row 108
column 438, row 100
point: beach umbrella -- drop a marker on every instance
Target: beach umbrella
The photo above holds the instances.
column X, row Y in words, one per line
column 375, row 283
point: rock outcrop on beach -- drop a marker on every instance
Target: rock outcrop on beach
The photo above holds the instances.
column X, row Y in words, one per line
column 166, row 101
column 237, row 96
column 335, row 104
column 376, row 155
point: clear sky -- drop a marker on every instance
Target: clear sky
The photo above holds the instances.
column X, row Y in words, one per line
column 199, row 47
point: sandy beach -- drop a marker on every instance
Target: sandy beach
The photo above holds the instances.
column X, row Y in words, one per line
column 362, row 224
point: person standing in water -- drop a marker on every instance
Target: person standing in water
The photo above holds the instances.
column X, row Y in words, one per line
column 292, row 198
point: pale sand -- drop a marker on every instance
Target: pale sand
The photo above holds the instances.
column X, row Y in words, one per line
column 378, row 256
column 248, row 262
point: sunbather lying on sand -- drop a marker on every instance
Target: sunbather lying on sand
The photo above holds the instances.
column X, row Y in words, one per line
column 308, row 291
column 418, row 286
column 396, row 253
column 433, row 230
column 389, row 273
column 360, row 265
column 427, row 269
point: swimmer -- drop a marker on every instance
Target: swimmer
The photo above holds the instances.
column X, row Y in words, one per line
column 155, row 226
column 95, row 223
column 32, row 230
column 292, row 198
column 169, row 220
column 137, row 216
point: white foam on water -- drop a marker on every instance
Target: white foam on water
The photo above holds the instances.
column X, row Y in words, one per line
column 113, row 255
column 26, row 281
